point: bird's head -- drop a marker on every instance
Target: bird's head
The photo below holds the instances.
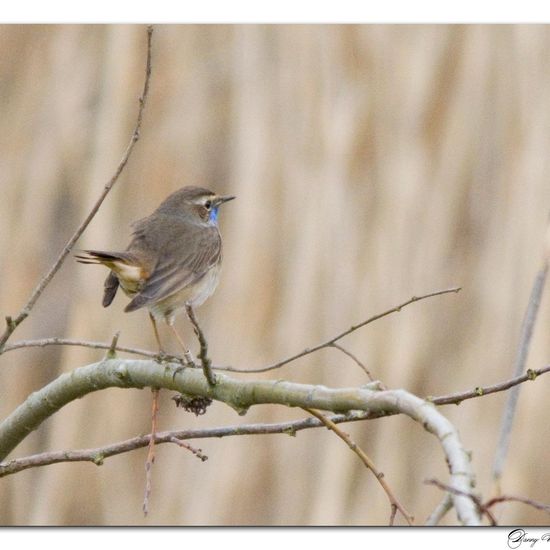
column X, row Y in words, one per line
column 198, row 202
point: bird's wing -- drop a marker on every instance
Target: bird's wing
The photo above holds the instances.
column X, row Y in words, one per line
column 185, row 252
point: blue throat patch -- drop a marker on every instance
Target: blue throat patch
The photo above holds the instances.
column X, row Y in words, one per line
column 214, row 215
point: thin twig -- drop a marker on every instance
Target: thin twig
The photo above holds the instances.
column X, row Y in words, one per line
column 457, row 398
column 111, row 354
column 21, row 344
column 511, row 498
column 13, row 323
column 394, row 502
column 484, row 507
column 330, row 343
column 151, row 452
column 196, row 452
column 353, row 358
column 203, row 353
column 98, row 455
column 472, row 496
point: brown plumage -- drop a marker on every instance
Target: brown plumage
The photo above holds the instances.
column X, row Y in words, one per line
column 173, row 259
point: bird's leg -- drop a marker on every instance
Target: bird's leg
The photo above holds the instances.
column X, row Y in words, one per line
column 161, row 357
column 187, row 355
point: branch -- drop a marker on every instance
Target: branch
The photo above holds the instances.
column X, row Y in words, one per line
column 241, row 395
column 394, row 502
column 450, row 399
column 204, row 348
column 440, row 510
column 354, row 358
column 484, row 507
column 332, row 341
column 457, row 398
column 476, row 499
column 99, row 454
column 21, row 344
column 13, row 323
column 511, row 498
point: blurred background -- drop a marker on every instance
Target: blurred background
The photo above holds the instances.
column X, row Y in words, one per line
column 371, row 163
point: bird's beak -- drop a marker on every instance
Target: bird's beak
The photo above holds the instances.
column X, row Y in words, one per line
column 221, row 200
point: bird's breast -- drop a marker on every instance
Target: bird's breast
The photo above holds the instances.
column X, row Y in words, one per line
column 193, row 295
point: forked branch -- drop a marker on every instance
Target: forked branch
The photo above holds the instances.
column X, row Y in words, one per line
column 241, row 395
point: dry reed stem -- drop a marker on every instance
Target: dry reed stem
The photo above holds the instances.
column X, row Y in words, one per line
column 527, row 328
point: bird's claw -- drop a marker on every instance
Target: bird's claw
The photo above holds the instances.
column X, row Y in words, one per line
column 176, row 370
column 161, row 357
column 188, row 361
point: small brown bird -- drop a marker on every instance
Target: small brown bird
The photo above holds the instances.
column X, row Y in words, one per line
column 173, row 260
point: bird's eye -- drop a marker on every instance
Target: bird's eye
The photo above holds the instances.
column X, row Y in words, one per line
column 208, row 204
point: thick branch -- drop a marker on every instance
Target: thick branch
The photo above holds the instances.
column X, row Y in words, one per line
column 241, row 395
column 450, row 399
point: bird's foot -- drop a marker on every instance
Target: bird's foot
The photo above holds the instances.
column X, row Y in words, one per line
column 161, row 357
column 188, row 361
column 176, row 370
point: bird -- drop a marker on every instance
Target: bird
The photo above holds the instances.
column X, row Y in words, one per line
column 173, row 260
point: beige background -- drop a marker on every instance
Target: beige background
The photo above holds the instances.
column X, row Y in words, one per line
column 371, row 163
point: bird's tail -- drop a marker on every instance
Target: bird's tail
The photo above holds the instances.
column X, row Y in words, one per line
column 120, row 263
column 101, row 257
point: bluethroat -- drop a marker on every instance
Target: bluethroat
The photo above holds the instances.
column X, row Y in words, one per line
column 173, row 260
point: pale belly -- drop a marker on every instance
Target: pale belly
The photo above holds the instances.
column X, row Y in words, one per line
column 193, row 295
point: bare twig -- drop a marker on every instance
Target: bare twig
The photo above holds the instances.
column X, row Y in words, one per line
column 203, row 353
column 197, row 452
column 111, row 354
column 13, row 322
column 527, row 328
column 484, row 507
column 394, row 502
column 472, row 496
column 457, row 398
column 353, row 358
column 511, row 498
column 151, row 452
column 98, row 455
column 40, row 343
column 330, row 343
